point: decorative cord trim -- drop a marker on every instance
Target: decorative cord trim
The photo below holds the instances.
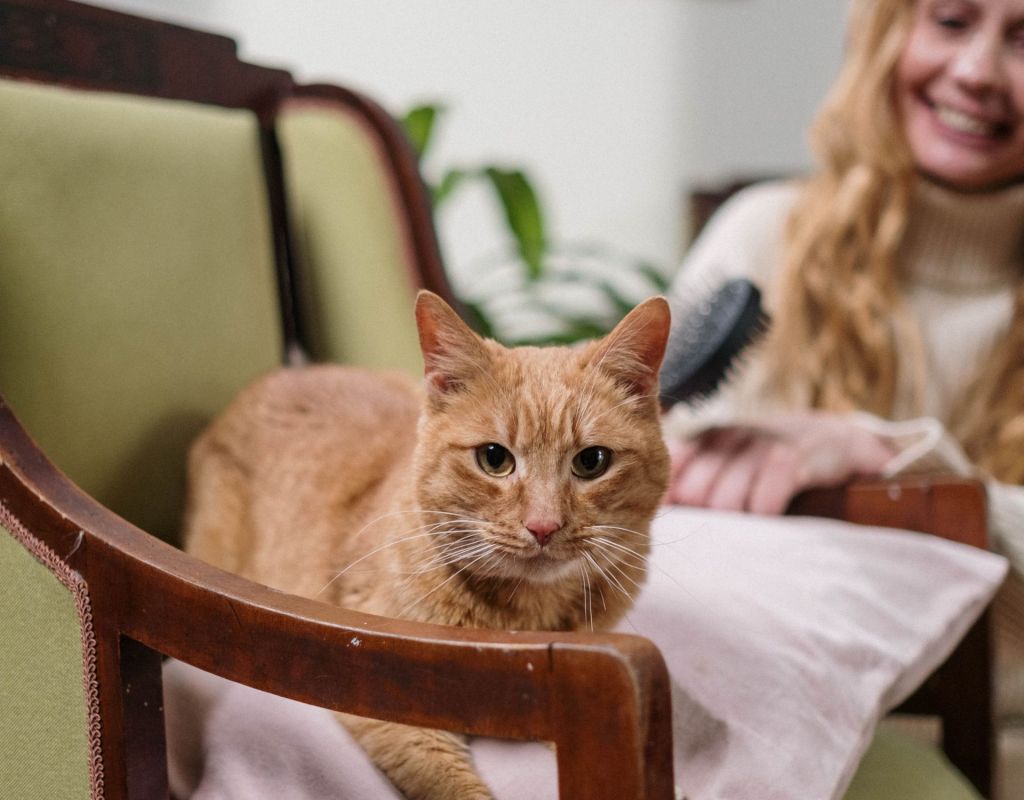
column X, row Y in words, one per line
column 77, row 586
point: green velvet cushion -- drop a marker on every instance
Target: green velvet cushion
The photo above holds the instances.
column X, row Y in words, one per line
column 357, row 287
column 44, row 747
column 137, row 288
column 899, row 767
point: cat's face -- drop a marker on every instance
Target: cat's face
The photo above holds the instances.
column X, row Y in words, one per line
column 543, row 464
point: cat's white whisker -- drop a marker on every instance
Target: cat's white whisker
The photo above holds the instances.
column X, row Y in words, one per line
column 450, row 552
column 406, row 609
column 665, row 510
column 458, row 519
column 449, row 558
column 365, row 556
column 466, row 541
column 606, row 542
column 615, row 528
column 616, row 584
column 400, row 513
column 437, row 564
column 614, row 564
column 631, row 624
column 618, row 544
column 674, row 541
column 432, row 564
column 428, row 529
column 646, row 561
column 516, row 588
column 608, row 577
column 588, row 610
column 586, row 595
column 436, row 560
column 590, row 600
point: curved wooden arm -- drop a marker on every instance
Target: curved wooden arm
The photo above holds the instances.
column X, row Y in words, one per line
column 948, row 506
column 603, row 699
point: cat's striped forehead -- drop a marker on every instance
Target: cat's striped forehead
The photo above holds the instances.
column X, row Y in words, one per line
column 546, row 397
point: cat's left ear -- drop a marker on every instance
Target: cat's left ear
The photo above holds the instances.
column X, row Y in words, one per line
column 452, row 352
column 633, row 351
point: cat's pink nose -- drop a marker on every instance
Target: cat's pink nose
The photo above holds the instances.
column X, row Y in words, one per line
column 542, row 529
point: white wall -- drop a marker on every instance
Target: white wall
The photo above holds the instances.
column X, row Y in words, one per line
column 614, row 106
column 758, row 70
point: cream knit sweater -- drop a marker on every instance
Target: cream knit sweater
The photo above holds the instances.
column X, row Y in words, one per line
column 961, row 260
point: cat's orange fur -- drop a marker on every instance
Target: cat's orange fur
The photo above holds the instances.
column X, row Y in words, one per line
column 362, row 489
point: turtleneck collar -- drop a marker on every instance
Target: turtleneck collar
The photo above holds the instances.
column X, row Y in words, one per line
column 960, row 241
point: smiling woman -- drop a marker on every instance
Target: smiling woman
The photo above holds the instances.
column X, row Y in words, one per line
column 894, row 275
column 960, row 90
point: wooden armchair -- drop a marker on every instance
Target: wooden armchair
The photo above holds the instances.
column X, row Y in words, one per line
column 267, row 231
column 135, row 598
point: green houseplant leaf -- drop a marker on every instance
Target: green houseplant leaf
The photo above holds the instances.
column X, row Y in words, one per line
column 539, row 264
column 448, row 183
column 419, row 126
column 523, row 214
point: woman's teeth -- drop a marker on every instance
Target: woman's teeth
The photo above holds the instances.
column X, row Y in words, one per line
column 965, row 123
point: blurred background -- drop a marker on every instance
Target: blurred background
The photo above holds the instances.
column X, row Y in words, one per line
column 614, row 109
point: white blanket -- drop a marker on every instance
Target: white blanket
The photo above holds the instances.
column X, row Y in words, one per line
column 786, row 639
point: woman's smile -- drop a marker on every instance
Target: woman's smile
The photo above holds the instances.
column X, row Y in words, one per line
column 959, row 88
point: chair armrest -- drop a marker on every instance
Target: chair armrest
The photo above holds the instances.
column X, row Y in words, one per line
column 604, row 700
column 950, row 507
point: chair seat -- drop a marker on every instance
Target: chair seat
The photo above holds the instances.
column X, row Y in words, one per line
column 898, row 766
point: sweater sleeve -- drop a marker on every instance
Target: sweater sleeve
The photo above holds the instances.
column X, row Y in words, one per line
column 742, row 240
column 924, row 445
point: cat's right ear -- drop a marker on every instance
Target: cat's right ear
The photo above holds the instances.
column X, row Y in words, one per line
column 452, row 353
column 633, row 351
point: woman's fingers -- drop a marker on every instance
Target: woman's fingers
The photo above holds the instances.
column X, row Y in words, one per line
column 732, row 488
column 762, row 468
column 778, row 479
column 712, row 453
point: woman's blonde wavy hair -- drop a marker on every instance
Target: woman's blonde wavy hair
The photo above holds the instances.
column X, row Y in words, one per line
column 840, row 327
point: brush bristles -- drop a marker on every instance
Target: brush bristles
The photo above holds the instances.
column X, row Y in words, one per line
column 705, row 345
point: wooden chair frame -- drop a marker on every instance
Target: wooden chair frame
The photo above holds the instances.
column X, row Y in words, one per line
column 146, row 600
column 149, row 599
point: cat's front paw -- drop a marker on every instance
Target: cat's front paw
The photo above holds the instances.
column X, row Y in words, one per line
column 423, row 764
column 442, row 778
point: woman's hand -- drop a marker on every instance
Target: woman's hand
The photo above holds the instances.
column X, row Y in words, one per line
column 760, row 467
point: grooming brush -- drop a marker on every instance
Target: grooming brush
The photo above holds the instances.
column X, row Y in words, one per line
column 706, row 340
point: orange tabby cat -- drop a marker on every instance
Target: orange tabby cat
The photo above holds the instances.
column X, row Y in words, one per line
column 514, row 490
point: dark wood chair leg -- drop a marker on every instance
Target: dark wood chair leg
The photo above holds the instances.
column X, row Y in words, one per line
column 968, row 736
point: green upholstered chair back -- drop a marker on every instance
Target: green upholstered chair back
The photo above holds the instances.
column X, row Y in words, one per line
column 138, row 287
column 137, row 282
column 354, row 245
column 147, row 273
column 45, row 749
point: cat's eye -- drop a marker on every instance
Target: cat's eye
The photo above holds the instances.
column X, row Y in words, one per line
column 591, row 462
column 495, row 460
